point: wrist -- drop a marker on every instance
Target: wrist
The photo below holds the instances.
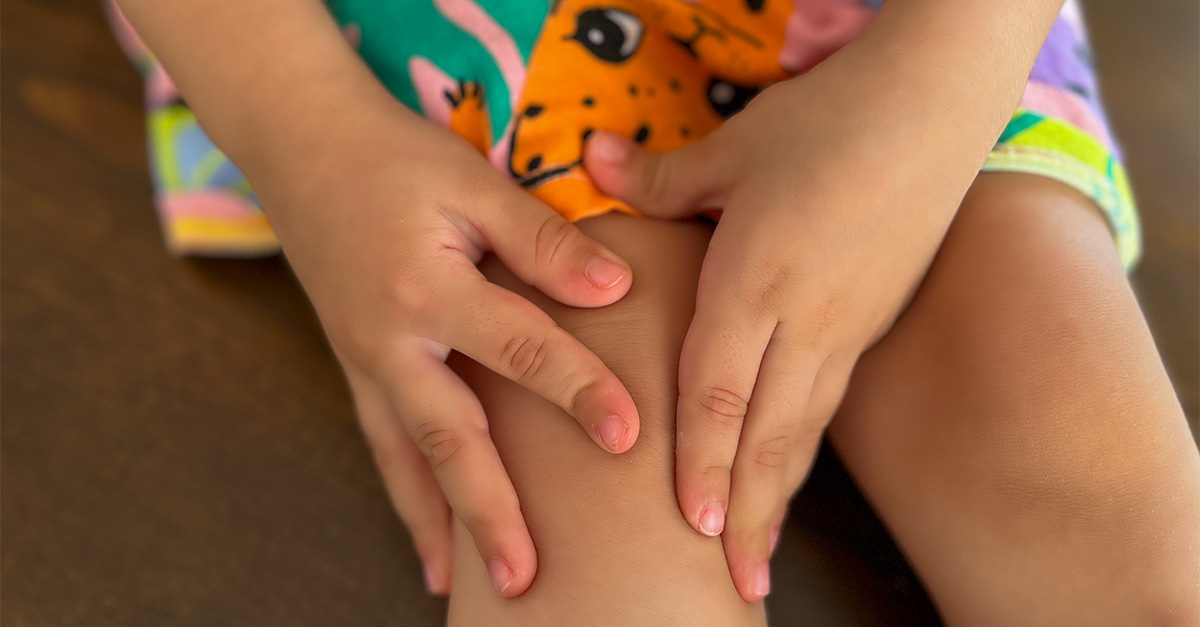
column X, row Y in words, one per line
column 295, row 137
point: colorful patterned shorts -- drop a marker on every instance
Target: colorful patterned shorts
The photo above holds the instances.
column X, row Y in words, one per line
column 526, row 81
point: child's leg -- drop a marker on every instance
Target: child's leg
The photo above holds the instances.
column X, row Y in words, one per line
column 1016, row 430
column 612, row 546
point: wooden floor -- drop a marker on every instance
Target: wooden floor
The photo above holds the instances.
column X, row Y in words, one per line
column 177, row 444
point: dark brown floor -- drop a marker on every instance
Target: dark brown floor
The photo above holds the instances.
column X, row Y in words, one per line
column 178, row 447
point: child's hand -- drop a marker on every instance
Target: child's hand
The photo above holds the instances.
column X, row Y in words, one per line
column 384, row 229
column 834, row 206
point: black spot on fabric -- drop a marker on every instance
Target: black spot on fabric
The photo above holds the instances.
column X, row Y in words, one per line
column 674, row 85
column 727, row 99
column 534, row 164
column 755, row 6
column 588, row 101
column 610, row 35
column 685, row 132
column 533, row 110
column 633, row 90
column 643, row 133
column 1079, row 90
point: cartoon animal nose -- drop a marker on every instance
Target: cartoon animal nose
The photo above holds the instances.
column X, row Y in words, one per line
column 727, row 99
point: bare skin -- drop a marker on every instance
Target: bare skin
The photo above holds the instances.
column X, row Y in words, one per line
column 384, row 216
column 1015, row 430
column 611, row 544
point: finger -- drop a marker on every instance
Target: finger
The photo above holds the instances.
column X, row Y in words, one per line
column 760, row 481
column 409, row 481
column 446, row 422
column 668, row 185
column 546, row 251
column 511, row 336
column 827, row 394
column 718, row 367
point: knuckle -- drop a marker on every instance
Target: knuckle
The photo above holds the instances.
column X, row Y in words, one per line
column 770, row 455
column 768, row 288
column 827, row 318
column 657, row 178
column 704, row 478
column 554, row 238
column 714, row 475
column 362, row 343
column 721, row 407
column 405, row 297
column 776, row 295
column 810, row 433
column 523, row 357
column 439, row 444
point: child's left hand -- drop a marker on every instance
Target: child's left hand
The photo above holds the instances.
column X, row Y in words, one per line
column 836, row 196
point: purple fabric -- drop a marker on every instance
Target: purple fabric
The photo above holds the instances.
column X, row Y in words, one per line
column 1065, row 61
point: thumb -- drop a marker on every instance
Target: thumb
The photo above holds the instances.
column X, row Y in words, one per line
column 549, row 253
column 673, row 184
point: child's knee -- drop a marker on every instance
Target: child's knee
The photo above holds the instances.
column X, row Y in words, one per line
column 612, row 545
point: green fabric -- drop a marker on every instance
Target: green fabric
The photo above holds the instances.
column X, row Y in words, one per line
column 395, row 30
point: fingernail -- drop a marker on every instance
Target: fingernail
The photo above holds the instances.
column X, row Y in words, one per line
column 500, row 573
column 712, row 519
column 603, row 273
column 432, row 582
column 774, row 539
column 610, row 148
column 612, row 431
column 762, row 581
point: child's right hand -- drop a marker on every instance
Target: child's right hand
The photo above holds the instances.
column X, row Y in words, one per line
column 384, row 228
column 383, row 217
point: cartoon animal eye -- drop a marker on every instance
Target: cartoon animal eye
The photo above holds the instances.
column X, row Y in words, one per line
column 755, row 6
column 610, row 34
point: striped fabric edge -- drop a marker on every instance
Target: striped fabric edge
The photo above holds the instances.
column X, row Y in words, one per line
column 1069, row 155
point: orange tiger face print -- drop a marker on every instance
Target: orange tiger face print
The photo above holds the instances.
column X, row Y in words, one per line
column 662, row 72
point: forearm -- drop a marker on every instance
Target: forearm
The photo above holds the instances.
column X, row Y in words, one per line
column 976, row 53
column 265, row 78
column 934, row 82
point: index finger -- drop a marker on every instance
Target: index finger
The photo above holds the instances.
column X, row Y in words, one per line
column 513, row 337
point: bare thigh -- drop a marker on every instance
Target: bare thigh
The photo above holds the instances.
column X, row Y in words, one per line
column 612, row 546
column 1017, row 432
